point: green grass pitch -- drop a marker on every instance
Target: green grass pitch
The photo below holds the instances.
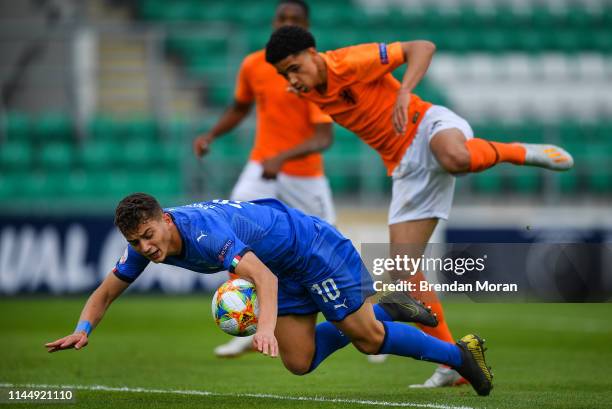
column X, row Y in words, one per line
column 543, row 355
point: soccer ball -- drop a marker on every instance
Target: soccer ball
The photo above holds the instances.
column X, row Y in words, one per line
column 235, row 307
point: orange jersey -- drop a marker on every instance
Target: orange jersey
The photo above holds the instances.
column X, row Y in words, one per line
column 284, row 119
column 361, row 94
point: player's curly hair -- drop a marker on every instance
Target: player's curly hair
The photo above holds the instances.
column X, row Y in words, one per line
column 134, row 210
column 286, row 41
column 300, row 3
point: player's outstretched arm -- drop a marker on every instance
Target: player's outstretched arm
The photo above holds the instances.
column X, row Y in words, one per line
column 322, row 139
column 228, row 121
column 266, row 284
column 92, row 314
column 418, row 55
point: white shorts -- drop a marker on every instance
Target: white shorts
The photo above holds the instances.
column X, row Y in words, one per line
column 422, row 189
column 312, row 195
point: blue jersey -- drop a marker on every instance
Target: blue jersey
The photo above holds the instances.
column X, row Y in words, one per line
column 217, row 234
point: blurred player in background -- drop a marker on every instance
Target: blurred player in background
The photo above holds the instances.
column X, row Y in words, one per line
column 285, row 161
column 300, row 266
column 423, row 146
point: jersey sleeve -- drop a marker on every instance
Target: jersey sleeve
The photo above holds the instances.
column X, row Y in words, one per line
column 317, row 116
column 223, row 247
column 371, row 61
column 244, row 92
column 130, row 265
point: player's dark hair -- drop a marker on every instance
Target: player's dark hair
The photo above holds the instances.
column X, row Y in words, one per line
column 286, row 41
column 300, row 3
column 134, row 210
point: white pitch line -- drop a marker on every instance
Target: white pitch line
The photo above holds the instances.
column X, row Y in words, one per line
column 234, row 395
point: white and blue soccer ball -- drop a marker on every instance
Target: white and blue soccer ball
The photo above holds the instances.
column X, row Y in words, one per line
column 235, row 307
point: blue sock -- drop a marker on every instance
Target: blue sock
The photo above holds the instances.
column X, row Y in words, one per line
column 328, row 339
column 405, row 340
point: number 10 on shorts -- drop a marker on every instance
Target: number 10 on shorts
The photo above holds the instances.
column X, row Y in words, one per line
column 329, row 290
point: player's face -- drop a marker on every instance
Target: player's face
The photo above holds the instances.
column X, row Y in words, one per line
column 153, row 238
column 288, row 14
column 301, row 70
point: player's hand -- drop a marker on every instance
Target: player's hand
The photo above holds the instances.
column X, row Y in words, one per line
column 400, row 111
column 77, row 340
column 201, row 144
column 271, row 167
column 265, row 342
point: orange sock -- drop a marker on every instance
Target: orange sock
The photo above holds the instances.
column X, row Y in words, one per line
column 441, row 331
column 430, row 298
column 485, row 154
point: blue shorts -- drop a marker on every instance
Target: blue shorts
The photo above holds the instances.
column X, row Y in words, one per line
column 335, row 281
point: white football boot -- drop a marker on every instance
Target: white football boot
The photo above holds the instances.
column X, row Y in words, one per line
column 547, row 156
column 235, row 347
column 442, row 377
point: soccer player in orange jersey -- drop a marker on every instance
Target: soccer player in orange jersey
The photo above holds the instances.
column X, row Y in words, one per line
column 423, row 146
column 285, row 161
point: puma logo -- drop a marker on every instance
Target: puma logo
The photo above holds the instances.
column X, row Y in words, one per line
column 341, row 305
column 200, row 236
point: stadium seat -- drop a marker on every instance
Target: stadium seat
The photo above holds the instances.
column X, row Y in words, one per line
column 53, row 126
column 139, row 154
column 15, row 155
column 525, row 181
column 18, row 126
column 488, row 182
column 39, row 186
column 568, row 182
column 9, row 185
column 104, row 127
column 81, row 185
column 57, row 155
column 96, row 155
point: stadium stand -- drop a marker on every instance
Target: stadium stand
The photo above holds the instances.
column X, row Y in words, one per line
column 534, row 71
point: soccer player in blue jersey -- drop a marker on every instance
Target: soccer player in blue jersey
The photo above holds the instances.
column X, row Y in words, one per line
column 300, row 266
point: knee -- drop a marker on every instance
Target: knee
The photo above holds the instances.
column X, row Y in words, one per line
column 298, row 367
column 455, row 159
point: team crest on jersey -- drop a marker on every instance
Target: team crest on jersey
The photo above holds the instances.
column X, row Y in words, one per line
column 383, row 54
column 348, row 96
column 124, row 257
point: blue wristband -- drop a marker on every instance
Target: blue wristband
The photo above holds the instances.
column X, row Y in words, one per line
column 83, row 326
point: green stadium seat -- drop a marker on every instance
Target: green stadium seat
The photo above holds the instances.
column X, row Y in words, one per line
column 151, row 9
column 104, row 127
column 488, row 182
column 57, row 155
column 96, row 155
column 163, row 185
column 171, row 154
column 221, row 95
column 542, row 17
column 568, row 181
column 178, row 130
column 530, row 41
column 53, row 126
column 251, row 13
column 601, row 40
column 117, row 184
column 527, row 182
column 139, row 154
column 81, row 185
column 16, row 155
column 18, row 126
column 38, row 186
column 9, row 186
column 140, row 128
column 581, row 18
